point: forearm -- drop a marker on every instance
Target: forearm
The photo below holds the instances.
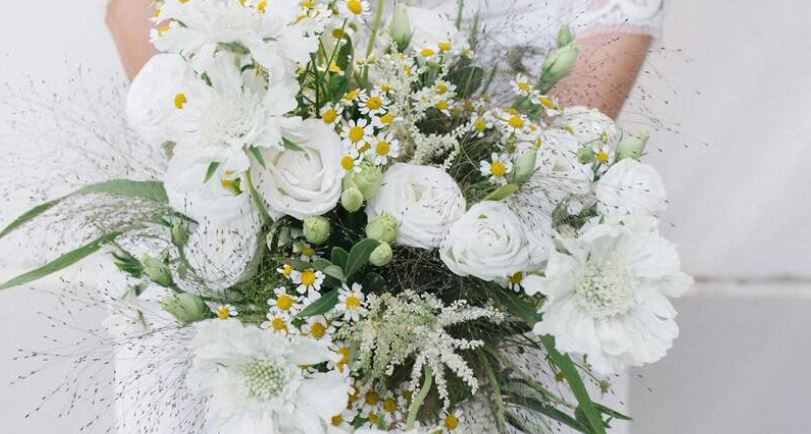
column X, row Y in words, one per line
column 605, row 72
column 129, row 24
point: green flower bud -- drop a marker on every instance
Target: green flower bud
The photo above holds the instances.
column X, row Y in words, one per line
column 585, row 155
column 383, row 228
column 368, row 180
column 400, row 27
column 316, row 229
column 179, row 233
column 157, row 270
column 565, row 36
column 632, row 146
column 186, row 308
column 525, row 166
column 381, row 255
column 558, row 64
column 352, row 199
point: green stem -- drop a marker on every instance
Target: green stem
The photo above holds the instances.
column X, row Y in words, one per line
column 420, row 398
column 501, row 420
column 258, row 201
column 373, row 38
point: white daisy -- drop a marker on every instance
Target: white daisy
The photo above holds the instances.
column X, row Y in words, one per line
column 286, row 270
column 226, row 311
column 451, row 421
column 481, row 125
column 443, row 106
column 522, row 86
column 308, row 252
column 607, row 298
column 392, row 408
column 284, row 303
column 277, row 323
column 309, row 280
column 357, row 132
column 341, row 359
column 351, row 159
column 384, row 120
column 331, row 113
column 373, row 103
column 344, row 419
column 319, row 328
column 354, row 9
column 384, row 146
column 497, row 169
column 445, row 88
column 351, row 302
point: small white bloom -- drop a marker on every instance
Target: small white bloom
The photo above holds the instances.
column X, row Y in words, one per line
column 351, row 159
column 630, row 187
column 343, row 420
column 432, row 30
column 254, row 384
column 354, row 9
column 522, row 86
column 308, row 281
column 497, row 169
column 373, row 103
column 284, row 303
column 331, row 113
column 383, row 147
column 486, row 242
column 451, row 421
column 357, row 132
column 606, row 298
column 226, row 311
column 351, row 302
column 319, row 328
column 425, row 200
column 277, row 323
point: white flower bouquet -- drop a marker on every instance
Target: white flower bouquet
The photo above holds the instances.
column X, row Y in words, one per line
column 361, row 241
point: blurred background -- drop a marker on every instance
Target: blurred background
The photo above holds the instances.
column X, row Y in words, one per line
column 731, row 79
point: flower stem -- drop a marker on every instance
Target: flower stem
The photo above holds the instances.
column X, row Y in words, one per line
column 420, row 398
column 491, row 375
column 381, row 4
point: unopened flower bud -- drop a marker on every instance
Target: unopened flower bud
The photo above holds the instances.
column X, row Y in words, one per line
column 632, row 146
column 316, row 229
column 186, row 308
column 383, row 228
column 525, row 166
column 558, row 64
column 179, row 233
column 400, row 27
column 368, row 180
column 565, row 36
column 157, row 270
column 381, row 255
column 585, row 155
column 352, row 199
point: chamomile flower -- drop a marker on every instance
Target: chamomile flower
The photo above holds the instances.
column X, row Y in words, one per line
column 549, row 105
column 331, row 113
column 522, row 86
column 226, row 311
column 286, row 270
column 352, row 96
column 384, row 120
column 481, row 125
column 443, row 106
column 451, row 421
column 373, row 103
column 393, row 408
column 342, row 358
column 514, row 121
column 276, row 323
column 443, row 87
column 357, row 132
column 351, row 159
column 351, row 302
column 308, row 252
column 344, row 419
column 284, row 303
column 429, row 52
column 309, row 280
column 319, row 328
column 384, row 146
column 497, row 168
column 354, row 9
column 370, row 402
column 603, row 154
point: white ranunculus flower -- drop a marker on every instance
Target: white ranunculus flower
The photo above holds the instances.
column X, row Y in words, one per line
column 150, row 101
column 307, row 182
column 254, row 382
column 425, row 201
column 559, row 177
column 487, row 242
column 630, row 187
column 588, row 125
column 607, row 298
column 434, row 30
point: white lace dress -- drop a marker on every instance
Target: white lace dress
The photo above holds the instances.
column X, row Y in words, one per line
column 529, row 26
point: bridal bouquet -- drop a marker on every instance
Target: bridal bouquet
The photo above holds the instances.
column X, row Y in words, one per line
column 362, row 240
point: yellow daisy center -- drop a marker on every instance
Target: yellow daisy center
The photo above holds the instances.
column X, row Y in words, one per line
column 516, row 122
column 602, row 156
column 278, row 324
column 285, row 302
column 374, row 103
column 427, row 52
column 451, row 421
column 333, row 67
column 385, row 87
column 308, row 278
column 517, row 278
column 374, row 418
column 318, row 330
column 165, row 27
column 180, row 100
column 481, row 125
column 356, row 134
column 382, row 148
column 351, row 95
column 445, row 46
column 390, row 405
column 308, row 251
column 347, row 162
column 442, row 88
column 371, row 397
column 337, row 33
column 337, row 420
column 442, row 105
column 353, row 302
column 224, row 313
column 287, row 269
column 355, row 6
column 498, row 168
column 262, row 6
column 546, row 102
column 387, row 118
column 525, row 86
column 330, row 115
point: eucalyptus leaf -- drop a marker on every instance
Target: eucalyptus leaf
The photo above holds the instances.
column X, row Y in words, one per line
column 322, row 305
column 340, row 257
column 359, row 256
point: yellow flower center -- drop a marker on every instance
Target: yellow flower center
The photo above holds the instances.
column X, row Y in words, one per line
column 330, row 115
column 333, row 67
column 516, row 122
column 308, row 251
column 374, row 103
column 371, row 397
column 287, row 269
column 351, row 95
column 364, row 147
column 262, row 6
column 427, row 52
column 498, row 168
column 165, row 27
column 442, row 88
column 285, row 302
column 481, row 125
column 318, row 330
column 442, row 105
column 345, row 353
column 382, row 148
column 451, row 421
column 180, row 100
column 278, row 324
column 308, row 278
column 546, row 102
column 517, row 278
column 355, row 6
column 353, row 302
column 224, row 313
column 337, row 420
column 390, row 405
column 525, row 86
column 337, row 33
column 347, row 162
column 385, row 87
column 387, row 119
column 356, row 134
column 602, row 156
column 374, row 418
column 307, row 4
column 445, row 46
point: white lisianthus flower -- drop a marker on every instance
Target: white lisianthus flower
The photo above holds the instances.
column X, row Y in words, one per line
column 487, row 242
column 630, row 187
column 255, row 384
column 150, row 101
column 268, row 30
column 558, row 178
column 302, row 183
column 425, row 201
column 587, row 125
column 607, row 298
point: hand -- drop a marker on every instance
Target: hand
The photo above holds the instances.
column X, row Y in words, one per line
column 129, row 24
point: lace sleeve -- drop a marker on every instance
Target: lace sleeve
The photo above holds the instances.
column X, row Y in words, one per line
column 625, row 16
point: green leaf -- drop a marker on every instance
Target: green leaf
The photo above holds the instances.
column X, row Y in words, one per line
column 211, row 169
column 336, row 272
column 257, row 154
column 293, row 146
column 611, row 412
column 61, row 262
column 550, row 412
column 339, row 257
column 149, row 190
column 467, row 77
column 374, row 282
column 359, row 256
column 322, row 305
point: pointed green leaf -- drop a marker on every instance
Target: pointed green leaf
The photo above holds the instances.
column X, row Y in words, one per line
column 359, row 256
column 211, row 169
column 322, row 305
column 293, row 146
column 339, row 257
column 257, row 154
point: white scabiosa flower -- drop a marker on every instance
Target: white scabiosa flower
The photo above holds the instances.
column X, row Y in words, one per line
column 254, row 382
column 306, row 182
column 588, row 125
column 630, row 187
column 486, row 242
column 607, row 298
column 425, row 201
